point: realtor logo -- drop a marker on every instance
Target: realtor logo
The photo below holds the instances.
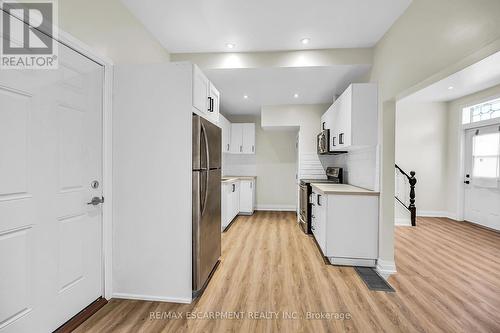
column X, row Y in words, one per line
column 28, row 32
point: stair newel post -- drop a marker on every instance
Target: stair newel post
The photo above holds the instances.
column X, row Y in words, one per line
column 413, row 209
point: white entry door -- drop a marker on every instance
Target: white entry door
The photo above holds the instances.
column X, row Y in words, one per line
column 482, row 186
column 50, row 153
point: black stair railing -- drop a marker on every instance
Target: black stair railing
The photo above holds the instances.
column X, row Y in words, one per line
column 405, row 192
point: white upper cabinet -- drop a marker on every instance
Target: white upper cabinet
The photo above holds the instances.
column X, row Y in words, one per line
column 353, row 118
column 236, row 145
column 206, row 98
column 242, row 138
column 201, row 87
column 225, row 125
column 248, row 138
column 213, row 103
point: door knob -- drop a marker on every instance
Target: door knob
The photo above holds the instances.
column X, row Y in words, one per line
column 95, row 201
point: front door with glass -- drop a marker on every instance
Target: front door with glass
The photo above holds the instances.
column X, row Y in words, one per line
column 481, row 179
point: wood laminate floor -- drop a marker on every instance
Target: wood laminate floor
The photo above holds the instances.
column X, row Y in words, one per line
column 448, row 280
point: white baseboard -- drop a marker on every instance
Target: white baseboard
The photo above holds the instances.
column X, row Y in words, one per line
column 278, row 208
column 152, row 298
column 432, row 213
column 437, row 213
column 386, row 268
column 402, row 222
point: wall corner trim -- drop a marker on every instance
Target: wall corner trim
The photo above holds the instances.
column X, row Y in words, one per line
column 385, row 268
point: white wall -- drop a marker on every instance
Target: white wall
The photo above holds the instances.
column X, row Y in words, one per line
column 454, row 154
column 307, row 119
column 152, row 182
column 422, row 146
column 111, row 30
column 427, row 40
column 274, row 164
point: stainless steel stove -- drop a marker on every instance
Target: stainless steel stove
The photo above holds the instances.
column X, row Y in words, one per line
column 334, row 176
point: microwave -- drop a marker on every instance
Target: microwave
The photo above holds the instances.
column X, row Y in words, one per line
column 323, row 142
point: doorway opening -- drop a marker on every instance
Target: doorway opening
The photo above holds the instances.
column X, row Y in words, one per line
column 448, row 133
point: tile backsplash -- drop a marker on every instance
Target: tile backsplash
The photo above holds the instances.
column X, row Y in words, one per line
column 361, row 166
column 239, row 165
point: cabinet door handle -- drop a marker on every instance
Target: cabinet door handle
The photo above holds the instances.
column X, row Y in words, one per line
column 251, row 184
column 333, row 141
column 228, row 147
column 253, row 149
column 341, row 138
column 234, row 187
column 323, row 125
column 318, row 199
column 241, row 149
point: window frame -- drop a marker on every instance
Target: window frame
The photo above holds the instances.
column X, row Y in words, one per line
column 496, row 156
column 480, row 123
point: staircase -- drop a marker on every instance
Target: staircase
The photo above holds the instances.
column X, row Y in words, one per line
column 405, row 192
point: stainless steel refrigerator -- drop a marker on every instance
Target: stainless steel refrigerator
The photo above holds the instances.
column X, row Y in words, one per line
column 206, row 201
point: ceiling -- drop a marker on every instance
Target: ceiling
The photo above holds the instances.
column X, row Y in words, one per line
column 185, row 26
column 479, row 76
column 276, row 86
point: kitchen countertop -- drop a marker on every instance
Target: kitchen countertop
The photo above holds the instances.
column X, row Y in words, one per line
column 342, row 189
column 230, row 179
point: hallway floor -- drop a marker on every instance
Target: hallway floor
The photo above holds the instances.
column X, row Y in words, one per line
column 448, row 280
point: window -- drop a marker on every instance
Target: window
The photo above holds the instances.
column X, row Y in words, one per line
column 486, row 155
column 480, row 112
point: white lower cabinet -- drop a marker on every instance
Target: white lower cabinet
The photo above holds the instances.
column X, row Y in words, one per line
column 345, row 227
column 235, row 199
column 230, row 202
column 238, row 197
column 225, row 204
column 247, row 195
column 319, row 214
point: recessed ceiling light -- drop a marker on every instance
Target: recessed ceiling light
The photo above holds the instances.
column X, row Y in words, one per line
column 451, row 88
column 305, row 41
column 295, row 95
column 245, row 96
column 230, row 45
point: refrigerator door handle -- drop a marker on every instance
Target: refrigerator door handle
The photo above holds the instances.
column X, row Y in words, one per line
column 207, row 151
column 207, row 154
